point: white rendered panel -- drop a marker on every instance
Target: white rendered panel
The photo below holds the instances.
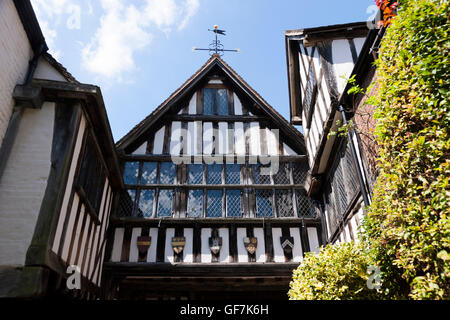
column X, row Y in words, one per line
column 224, row 256
column 272, row 142
column 303, row 77
column 207, row 138
column 99, row 227
column 77, row 235
column 158, row 142
column 278, row 253
column 313, row 240
column 151, row 253
column 288, row 150
column 70, row 226
column 142, row 149
column 354, row 228
column 242, row 252
column 134, row 252
column 168, row 250
column 188, row 248
column 316, row 62
column 255, row 145
column 68, row 191
column 237, row 105
column 297, row 251
column 89, row 245
column 318, row 124
column 239, row 138
column 359, row 42
column 205, row 256
column 326, row 95
column 223, row 137
column 104, row 227
column 117, row 245
column 83, row 245
column 322, row 109
column 261, row 248
column 175, row 138
column 192, row 109
column 342, row 62
column 191, row 138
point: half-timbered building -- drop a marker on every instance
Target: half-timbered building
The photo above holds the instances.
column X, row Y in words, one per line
column 342, row 166
column 214, row 204
column 59, row 173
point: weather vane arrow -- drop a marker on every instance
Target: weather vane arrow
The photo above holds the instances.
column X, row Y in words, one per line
column 216, row 47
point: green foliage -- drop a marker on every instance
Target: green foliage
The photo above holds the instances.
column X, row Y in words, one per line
column 338, row 272
column 408, row 225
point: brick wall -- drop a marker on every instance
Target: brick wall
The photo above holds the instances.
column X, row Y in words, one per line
column 15, row 52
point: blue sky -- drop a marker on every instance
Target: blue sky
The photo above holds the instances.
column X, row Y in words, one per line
column 140, row 51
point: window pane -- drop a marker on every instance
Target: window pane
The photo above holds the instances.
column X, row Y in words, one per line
column 214, row 204
column 284, row 203
column 264, row 206
column 165, row 203
column 304, row 204
column 149, row 172
column 222, row 101
column 234, row 203
column 214, row 174
column 261, row 178
column 131, row 172
column 208, row 101
column 195, row 203
column 195, row 174
column 167, row 173
column 299, row 171
column 282, row 175
column 146, row 203
column 233, row 173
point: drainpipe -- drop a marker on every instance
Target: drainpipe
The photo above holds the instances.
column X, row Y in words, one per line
column 355, row 159
column 13, row 124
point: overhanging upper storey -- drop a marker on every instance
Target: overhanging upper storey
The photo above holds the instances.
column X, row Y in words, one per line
column 318, row 61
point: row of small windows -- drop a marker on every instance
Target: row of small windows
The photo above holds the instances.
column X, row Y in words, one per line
column 148, row 173
column 217, row 203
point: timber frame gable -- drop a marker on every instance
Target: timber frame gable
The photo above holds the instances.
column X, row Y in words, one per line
column 255, row 108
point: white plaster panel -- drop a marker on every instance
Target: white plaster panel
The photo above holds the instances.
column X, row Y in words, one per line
column 151, row 253
column 188, row 255
column 117, row 245
column 159, row 141
column 260, row 253
column 24, row 181
column 205, row 256
column 134, row 252
column 237, row 105
column 297, row 251
column 224, row 256
column 313, row 240
column 242, row 251
column 342, row 62
column 168, row 250
column 192, row 109
column 278, row 253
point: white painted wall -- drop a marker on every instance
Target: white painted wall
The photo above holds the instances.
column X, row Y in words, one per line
column 46, row 71
column 15, row 52
column 342, row 62
column 24, row 181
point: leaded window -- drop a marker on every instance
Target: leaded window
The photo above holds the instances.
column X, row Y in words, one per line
column 195, row 175
column 149, row 172
column 146, row 200
column 234, row 203
column 264, row 203
column 195, row 203
column 252, row 191
column 259, row 175
column 165, row 202
column 215, row 101
column 232, row 173
column 214, row 174
column 282, row 176
column 167, row 174
column 284, row 203
column 214, row 203
column 131, row 173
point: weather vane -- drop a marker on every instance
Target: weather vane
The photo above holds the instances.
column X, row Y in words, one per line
column 216, row 47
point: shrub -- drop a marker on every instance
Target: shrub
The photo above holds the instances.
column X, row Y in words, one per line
column 337, row 272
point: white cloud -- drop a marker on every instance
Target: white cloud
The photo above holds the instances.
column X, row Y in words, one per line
column 125, row 29
column 50, row 14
